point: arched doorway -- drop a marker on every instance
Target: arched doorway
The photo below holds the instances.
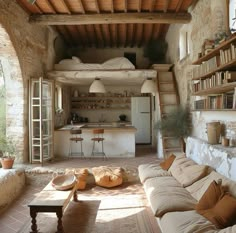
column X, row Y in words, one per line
column 15, row 107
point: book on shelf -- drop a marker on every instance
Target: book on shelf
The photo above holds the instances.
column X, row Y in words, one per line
column 234, row 99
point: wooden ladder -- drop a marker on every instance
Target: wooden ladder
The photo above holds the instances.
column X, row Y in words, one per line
column 168, row 100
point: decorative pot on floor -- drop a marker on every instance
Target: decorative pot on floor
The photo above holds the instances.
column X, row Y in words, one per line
column 7, row 162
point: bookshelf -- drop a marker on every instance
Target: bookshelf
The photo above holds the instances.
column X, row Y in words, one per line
column 214, row 78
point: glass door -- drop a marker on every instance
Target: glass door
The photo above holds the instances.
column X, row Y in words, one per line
column 41, row 120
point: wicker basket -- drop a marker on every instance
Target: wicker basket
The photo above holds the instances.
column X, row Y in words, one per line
column 64, row 182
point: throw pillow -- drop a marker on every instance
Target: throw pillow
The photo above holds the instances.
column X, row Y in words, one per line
column 223, row 213
column 167, row 163
column 212, row 195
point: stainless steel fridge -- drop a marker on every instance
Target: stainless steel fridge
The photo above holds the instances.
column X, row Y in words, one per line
column 141, row 119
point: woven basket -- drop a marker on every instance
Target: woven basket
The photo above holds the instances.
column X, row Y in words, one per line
column 64, row 182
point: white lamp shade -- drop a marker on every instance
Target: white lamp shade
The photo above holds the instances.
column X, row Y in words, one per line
column 149, row 86
column 97, row 86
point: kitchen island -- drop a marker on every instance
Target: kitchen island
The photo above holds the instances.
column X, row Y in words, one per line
column 119, row 140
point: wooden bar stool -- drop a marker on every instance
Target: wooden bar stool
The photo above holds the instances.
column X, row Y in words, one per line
column 98, row 137
column 75, row 136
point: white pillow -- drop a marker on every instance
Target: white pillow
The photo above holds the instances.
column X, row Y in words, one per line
column 76, row 59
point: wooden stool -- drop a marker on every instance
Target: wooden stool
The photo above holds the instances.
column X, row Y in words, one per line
column 98, row 137
column 76, row 137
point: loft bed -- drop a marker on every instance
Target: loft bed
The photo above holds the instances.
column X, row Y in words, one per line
column 112, row 72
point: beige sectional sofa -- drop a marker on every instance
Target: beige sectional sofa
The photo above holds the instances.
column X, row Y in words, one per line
column 173, row 195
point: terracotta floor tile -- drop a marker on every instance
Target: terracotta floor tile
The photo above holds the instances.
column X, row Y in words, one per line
column 17, row 213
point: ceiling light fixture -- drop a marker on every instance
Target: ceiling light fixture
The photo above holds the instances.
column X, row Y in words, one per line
column 97, row 86
column 149, row 86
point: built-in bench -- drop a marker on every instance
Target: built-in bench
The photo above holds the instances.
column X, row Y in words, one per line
column 222, row 159
column 12, row 182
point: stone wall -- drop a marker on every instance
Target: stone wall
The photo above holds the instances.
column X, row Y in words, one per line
column 26, row 51
column 208, row 18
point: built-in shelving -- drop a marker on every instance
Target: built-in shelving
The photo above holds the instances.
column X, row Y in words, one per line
column 214, row 78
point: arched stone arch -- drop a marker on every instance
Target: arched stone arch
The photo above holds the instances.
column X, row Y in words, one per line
column 15, row 101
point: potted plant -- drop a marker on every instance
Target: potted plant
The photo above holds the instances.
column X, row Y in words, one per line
column 176, row 124
column 8, row 152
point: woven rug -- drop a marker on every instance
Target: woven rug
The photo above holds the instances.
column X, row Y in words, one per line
column 101, row 210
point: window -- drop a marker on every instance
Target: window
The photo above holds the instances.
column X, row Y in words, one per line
column 58, row 97
column 232, row 16
column 183, row 44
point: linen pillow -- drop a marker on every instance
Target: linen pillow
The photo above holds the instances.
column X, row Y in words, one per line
column 76, row 59
column 167, row 163
column 223, row 213
column 212, row 195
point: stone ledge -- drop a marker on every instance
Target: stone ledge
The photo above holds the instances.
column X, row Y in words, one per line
column 12, row 182
column 222, row 159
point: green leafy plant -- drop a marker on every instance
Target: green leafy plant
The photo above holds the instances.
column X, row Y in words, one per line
column 7, row 147
column 177, row 123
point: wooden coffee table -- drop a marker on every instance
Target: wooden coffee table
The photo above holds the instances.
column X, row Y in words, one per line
column 51, row 200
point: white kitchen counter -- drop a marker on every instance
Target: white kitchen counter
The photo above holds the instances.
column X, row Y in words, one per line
column 119, row 140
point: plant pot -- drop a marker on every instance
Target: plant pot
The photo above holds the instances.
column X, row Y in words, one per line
column 7, row 163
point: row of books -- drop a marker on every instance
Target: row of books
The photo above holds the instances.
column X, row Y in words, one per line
column 217, row 79
column 227, row 55
column 224, row 57
column 206, row 67
column 222, row 101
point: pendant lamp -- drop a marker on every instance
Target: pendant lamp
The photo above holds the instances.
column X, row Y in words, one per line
column 97, row 86
column 149, row 86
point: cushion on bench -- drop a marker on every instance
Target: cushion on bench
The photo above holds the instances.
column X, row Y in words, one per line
column 147, row 171
column 165, row 194
column 198, row 188
column 186, row 221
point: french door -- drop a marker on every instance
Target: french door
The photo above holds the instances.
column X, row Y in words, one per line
column 41, row 120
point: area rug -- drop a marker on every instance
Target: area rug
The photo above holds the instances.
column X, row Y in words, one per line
column 101, row 210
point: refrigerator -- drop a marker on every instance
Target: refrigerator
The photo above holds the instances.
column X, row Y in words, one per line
column 141, row 119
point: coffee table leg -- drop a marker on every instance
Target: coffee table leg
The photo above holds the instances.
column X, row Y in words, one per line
column 75, row 196
column 59, row 222
column 33, row 215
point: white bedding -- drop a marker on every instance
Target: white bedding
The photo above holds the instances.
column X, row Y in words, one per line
column 118, row 63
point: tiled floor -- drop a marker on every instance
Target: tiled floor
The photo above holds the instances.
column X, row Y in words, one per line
column 13, row 218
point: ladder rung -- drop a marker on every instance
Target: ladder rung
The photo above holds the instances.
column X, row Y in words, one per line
column 168, row 104
column 173, row 148
column 167, row 92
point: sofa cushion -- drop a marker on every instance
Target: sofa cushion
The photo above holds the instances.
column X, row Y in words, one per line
column 212, row 195
column 186, row 222
column 165, row 165
column 186, row 171
column 108, row 176
column 198, row 188
column 147, row 171
column 181, row 160
column 165, row 194
column 223, row 213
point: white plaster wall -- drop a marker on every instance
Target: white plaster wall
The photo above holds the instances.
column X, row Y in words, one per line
column 208, row 18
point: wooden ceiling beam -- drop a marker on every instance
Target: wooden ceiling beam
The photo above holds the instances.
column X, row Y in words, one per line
column 125, row 6
column 163, row 18
column 82, row 6
column 179, row 5
column 139, row 5
column 97, row 6
column 166, row 5
column 112, row 6
column 152, row 4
